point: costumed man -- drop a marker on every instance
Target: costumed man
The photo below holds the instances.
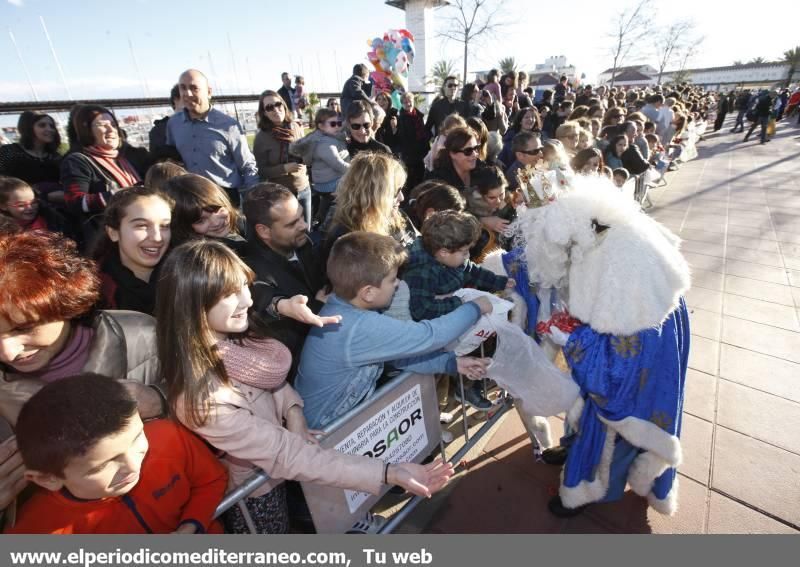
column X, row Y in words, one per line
column 534, row 304
column 626, row 279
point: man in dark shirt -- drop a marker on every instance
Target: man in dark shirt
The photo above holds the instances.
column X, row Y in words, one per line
column 287, row 91
column 444, row 106
column 159, row 149
column 354, row 88
column 285, row 264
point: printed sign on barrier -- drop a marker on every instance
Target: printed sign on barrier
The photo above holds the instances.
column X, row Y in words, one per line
column 396, row 434
column 400, row 423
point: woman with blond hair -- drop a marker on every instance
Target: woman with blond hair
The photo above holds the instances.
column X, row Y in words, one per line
column 368, row 199
column 569, row 136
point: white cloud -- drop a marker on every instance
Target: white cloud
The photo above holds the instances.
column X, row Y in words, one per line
column 17, row 3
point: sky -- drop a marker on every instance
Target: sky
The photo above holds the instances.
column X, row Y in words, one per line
column 133, row 48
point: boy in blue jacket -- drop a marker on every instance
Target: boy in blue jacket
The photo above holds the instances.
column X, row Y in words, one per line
column 340, row 364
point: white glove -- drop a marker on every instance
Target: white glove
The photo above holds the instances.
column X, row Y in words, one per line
column 558, row 336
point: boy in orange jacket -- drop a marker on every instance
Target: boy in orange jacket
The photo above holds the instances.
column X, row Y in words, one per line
column 99, row 469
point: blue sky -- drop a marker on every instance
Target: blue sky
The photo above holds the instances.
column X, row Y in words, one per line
column 321, row 40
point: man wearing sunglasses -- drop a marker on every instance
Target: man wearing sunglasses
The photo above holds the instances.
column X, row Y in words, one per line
column 211, row 143
column 527, row 148
column 444, row 106
column 359, row 120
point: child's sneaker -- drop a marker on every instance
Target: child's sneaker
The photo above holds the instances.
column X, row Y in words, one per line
column 474, row 397
column 447, row 437
column 446, row 418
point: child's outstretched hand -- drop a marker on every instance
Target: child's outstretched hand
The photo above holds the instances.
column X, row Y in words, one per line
column 296, row 308
column 471, row 367
column 485, row 305
column 421, row 480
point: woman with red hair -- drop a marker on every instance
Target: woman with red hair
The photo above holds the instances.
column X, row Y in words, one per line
column 49, row 330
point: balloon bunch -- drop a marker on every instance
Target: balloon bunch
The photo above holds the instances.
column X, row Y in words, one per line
column 392, row 57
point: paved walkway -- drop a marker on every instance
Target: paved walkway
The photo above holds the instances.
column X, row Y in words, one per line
column 737, row 207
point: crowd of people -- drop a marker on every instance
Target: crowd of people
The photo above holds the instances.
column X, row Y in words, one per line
column 173, row 319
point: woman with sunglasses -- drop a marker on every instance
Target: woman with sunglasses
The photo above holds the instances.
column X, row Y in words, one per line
column 360, row 119
column 203, row 210
column 460, row 156
column 276, row 131
column 333, row 104
column 326, row 153
column 526, row 120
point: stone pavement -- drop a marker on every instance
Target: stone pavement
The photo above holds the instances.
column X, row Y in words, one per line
column 737, row 207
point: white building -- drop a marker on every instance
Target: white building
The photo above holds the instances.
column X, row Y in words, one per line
column 557, row 65
column 604, row 78
column 749, row 75
column 712, row 78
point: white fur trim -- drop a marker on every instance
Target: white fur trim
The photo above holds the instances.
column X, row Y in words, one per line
column 646, row 468
column 648, row 436
column 669, row 505
column 594, row 490
column 575, row 412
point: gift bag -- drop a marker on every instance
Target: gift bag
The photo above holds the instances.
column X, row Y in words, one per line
column 486, row 325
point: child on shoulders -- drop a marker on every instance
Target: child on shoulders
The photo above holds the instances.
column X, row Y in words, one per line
column 99, row 469
column 340, row 364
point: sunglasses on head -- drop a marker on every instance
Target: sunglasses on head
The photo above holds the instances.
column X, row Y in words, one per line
column 535, row 152
column 468, row 151
column 334, row 123
column 357, row 126
column 271, row 107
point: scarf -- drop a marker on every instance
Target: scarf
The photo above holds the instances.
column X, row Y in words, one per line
column 117, row 166
column 39, row 223
column 285, row 136
column 72, row 357
column 262, row 363
column 129, row 292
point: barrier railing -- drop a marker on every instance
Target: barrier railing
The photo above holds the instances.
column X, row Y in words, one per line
column 405, row 411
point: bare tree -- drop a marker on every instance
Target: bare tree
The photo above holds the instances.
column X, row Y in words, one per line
column 470, row 20
column 629, row 27
column 688, row 51
column 669, row 42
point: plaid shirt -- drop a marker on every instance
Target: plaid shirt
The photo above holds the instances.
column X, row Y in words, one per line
column 427, row 278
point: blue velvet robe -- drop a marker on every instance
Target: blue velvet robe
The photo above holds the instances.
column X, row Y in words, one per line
column 641, row 376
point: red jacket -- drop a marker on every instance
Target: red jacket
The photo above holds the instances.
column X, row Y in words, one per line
column 181, row 482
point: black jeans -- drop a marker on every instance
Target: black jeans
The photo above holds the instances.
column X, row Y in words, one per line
column 764, row 121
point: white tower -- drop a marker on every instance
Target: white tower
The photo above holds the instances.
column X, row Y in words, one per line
column 419, row 21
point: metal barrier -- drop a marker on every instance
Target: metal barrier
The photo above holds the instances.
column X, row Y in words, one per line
column 335, row 510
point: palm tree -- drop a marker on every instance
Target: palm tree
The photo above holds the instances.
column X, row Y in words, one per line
column 508, row 65
column 440, row 71
column 738, row 62
column 757, row 60
column 792, row 57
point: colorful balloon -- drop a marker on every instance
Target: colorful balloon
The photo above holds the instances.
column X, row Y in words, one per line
column 392, row 56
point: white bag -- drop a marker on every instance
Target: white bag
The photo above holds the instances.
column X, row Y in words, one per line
column 519, row 365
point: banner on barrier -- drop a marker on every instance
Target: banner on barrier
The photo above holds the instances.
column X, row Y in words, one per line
column 399, row 423
column 396, row 434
